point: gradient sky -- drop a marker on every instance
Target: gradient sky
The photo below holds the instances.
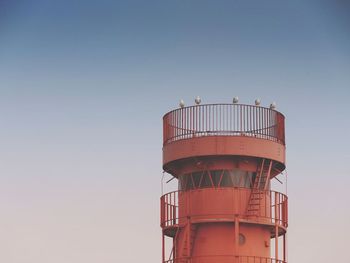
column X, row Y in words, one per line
column 84, row 85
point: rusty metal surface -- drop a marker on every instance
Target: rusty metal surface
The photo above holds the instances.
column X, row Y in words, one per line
column 223, row 145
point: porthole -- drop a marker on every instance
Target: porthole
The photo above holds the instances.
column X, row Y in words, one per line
column 241, row 239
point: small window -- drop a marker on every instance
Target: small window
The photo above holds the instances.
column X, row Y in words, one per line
column 182, row 182
column 196, row 178
column 189, row 184
column 206, row 182
column 216, row 175
column 236, row 178
column 241, row 239
column 226, row 180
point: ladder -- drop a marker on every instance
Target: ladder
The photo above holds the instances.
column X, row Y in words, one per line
column 260, row 184
column 189, row 239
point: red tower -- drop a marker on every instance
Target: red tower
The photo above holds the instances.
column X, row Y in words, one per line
column 224, row 157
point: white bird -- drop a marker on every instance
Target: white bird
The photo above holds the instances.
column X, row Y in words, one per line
column 257, row 102
column 197, row 100
column 235, row 100
column 182, row 103
column 273, row 106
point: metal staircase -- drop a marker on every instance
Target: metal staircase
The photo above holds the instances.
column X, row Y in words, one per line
column 260, row 184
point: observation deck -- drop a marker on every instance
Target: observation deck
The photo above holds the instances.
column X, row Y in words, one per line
column 223, row 129
column 177, row 206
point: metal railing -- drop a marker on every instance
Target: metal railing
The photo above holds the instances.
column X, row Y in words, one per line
column 223, row 120
column 273, row 208
column 279, row 208
column 226, row 259
column 169, row 209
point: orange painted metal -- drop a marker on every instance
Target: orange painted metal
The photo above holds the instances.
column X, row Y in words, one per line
column 224, row 156
column 223, row 146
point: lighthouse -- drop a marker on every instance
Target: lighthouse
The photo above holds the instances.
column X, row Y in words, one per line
column 224, row 157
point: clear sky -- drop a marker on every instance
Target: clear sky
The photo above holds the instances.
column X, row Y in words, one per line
column 84, row 85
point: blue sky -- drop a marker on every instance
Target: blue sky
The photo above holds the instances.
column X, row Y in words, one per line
column 84, row 85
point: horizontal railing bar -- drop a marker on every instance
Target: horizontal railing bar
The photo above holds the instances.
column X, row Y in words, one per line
column 241, row 259
column 221, row 104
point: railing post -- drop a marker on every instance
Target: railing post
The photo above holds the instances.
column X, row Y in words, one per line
column 161, row 212
column 163, row 249
column 236, row 239
column 284, row 248
column 276, row 228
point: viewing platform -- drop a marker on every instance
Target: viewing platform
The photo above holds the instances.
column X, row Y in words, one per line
column 223, row 120
column 223, row 205
column 223, row 129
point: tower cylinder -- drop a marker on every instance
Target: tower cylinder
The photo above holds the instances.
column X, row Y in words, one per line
column 224, row 157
